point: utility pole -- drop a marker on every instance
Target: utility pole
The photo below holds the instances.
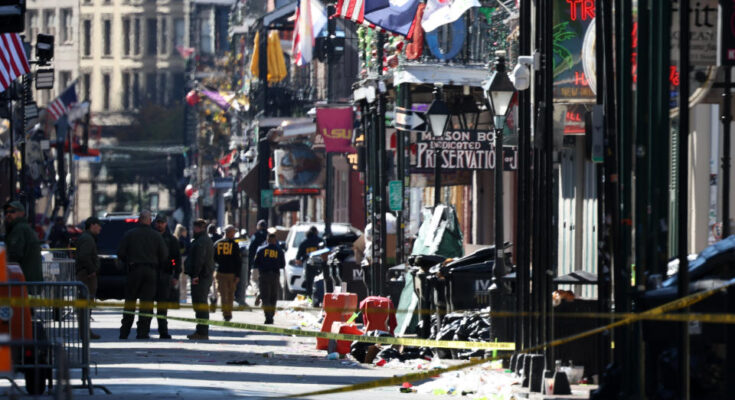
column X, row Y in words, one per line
column 524, row 138
column 726, row 119
column 263, row 144
column 683, row 192
column 329, row 184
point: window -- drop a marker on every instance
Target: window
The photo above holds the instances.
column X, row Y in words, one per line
column 32, row 24
column 126, row 36
column 106, row 89
column 179, row 32
column 87, row 28
column 206, row 42
column 126, row 90
column 150, row 86
column 164, row 35
column 152, row 35
column 107, row 37
column 136, row 90
column 162, row 89
column 67, row 32
column 136, row 37
column 64, row 80
column 87, row 82
column 49, row 18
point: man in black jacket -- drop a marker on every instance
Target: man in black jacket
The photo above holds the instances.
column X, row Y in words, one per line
column 88, row 263
column 200, row 267
column 167, row 277
column 311, row 243
column 229, row 262
column 144, row 253
column 257, row 240
column 269, row 259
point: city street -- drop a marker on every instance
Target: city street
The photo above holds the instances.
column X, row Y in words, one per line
column 182, row 369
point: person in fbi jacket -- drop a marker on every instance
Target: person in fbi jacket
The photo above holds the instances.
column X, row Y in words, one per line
column 229, row 263
column 269, row 260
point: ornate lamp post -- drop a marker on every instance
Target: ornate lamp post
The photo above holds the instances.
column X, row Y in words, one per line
column 499, row 91
column 438, row 114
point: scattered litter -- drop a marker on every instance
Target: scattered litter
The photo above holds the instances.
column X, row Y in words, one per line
column 407, row 387
column 240, row 362
column 333, row 356
column 477, row 383
column 269, row 354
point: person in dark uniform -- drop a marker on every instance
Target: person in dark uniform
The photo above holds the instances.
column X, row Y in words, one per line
column 88, row 263
column 200, row 267
column 229, row 261
column 269, row 259
column 22, row 243
column 256, row 241
column 311, row 243
column 144, row 253
column 59, row 236
column 166, row 294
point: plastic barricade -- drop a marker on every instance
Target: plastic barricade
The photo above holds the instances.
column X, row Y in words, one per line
column 378, row 313
column 338, row 307
column 343, row 346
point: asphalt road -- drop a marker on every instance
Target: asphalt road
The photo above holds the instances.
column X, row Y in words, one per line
column 183, row 369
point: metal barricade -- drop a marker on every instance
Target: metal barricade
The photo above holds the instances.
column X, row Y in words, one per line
column 47, row 363
column 59, row 270
column 55, row 318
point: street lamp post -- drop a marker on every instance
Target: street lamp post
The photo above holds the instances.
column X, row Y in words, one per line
column 499, row 91
column 438, row 114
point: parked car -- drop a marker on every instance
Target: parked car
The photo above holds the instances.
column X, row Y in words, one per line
column 111, row 277
column 292, row 277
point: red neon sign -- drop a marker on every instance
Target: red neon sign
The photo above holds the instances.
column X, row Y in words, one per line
column 586, row 9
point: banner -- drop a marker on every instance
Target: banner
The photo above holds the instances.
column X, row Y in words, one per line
column 297, row 166
column 335, row 126
column 460, row 150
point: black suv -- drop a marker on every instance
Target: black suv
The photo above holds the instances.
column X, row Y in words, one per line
column 111, row 277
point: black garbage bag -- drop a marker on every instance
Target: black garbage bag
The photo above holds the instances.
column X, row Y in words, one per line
column 411, row 353
column 388, row 354
column 359, row 349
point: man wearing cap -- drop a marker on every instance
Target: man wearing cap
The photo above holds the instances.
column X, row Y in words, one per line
column 200, row 267
column 256, row 241
column 22, row 243
column 88, row 262
column 228, row 259
column 144, row 253
column 167, row 280
column 269, row 259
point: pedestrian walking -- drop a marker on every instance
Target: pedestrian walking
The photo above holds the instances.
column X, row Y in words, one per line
column 167, row 292
column 269, row 259
column 182, row 234
column 200, row 267
column 311, row 243
column 144, row 253
column 229, row 262
column 257, row 240
column 22, row 243
column 87, row 266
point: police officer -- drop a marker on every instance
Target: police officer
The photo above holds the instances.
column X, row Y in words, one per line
column 269, row 259
column 88, row 263
column 22, row 243
column 229, row 262
column 200, row 267
column 144, row 253
column 311, row 243
column 166, row 295
column 256, row 241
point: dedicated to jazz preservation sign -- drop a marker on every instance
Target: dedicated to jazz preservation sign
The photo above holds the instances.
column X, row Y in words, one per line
column 460, row 150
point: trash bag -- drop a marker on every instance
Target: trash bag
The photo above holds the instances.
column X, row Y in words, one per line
column 359, row 349
column 388, row 354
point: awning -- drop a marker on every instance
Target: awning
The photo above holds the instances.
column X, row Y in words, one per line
column 249, row 184
column 440, row 73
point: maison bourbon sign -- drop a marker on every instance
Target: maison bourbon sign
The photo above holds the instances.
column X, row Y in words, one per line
column 460, row 150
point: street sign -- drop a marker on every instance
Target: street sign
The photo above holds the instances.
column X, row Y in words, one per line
column 266, row 198
column 395, row 195
column 409, row 120
column 222, row 183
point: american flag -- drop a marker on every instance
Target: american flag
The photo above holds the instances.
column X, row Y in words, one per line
column 311, row 18
column 61, row 105
column 13, row 61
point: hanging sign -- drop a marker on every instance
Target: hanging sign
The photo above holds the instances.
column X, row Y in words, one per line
column 460, row 150
column 573, row 42
column 726, row 34
column 335, row 127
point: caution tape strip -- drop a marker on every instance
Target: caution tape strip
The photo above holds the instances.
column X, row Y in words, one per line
column 412, row 377
column 444, row 344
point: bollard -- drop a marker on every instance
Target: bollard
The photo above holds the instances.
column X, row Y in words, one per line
column 513, row 360
column 536, row 373
column 526, row 369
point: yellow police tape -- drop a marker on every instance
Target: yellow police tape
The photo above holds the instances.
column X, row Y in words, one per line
column 412, row 377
